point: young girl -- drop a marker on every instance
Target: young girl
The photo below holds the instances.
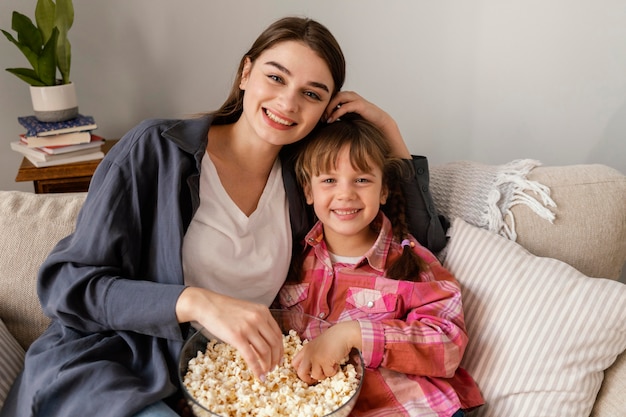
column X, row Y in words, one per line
column 385, row 293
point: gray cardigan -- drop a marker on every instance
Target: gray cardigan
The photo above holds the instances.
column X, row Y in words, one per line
column 111, row 287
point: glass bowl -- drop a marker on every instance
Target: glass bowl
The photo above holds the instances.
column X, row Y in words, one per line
column 305, row 325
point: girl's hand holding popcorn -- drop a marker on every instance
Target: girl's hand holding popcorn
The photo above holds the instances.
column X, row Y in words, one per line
column 321, row 357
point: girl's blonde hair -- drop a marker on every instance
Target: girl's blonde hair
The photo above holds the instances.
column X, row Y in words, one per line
column 368, row 146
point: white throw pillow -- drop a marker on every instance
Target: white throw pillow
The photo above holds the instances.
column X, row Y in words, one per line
column 541, row 333
column 11, row 361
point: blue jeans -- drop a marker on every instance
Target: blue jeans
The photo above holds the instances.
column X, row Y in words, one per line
column 459, row 413
column 158, row 409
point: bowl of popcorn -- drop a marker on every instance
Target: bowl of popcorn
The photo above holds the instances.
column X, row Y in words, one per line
column 216, row 380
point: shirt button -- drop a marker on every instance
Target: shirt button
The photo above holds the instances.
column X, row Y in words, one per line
column 370, row 304
column 321, row 315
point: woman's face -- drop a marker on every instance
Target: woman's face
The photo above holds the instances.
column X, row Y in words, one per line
column 287, row 90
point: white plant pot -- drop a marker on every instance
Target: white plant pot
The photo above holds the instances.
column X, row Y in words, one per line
column 55, row 103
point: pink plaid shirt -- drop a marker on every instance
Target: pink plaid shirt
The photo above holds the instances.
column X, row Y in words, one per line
column 413, row 332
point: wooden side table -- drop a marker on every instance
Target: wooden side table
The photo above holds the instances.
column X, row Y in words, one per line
column 66, row 178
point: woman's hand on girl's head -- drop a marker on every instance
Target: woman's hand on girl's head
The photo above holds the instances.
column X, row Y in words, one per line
column 249, row 327
column 321, row 357
column 350, row 102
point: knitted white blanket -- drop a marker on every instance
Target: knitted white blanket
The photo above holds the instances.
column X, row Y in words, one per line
column 483, row 195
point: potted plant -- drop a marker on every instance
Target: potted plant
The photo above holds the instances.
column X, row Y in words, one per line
column 46, row 47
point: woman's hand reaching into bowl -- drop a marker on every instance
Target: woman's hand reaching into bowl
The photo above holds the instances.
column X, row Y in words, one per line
column 247, row 326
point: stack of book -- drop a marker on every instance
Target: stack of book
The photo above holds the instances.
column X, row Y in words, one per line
column 54, row 143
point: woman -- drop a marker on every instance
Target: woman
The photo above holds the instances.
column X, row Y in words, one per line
column 176, row 210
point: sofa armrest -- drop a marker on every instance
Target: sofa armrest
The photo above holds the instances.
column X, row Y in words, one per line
column 31, row 225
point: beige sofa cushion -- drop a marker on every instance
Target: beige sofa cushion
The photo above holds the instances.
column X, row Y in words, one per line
column 582, row 235
column 31, row 225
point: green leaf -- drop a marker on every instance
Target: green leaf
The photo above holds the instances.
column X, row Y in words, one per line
column 28, row 75
column 64, row 59
column 29, row 54
column 47, row 60
column 45, row 15
column 64, row 16
column 64, row 21
column 27, row 32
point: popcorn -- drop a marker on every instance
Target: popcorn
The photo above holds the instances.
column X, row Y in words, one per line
column 220, row 380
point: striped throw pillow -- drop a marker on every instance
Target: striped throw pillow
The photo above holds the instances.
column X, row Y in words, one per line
column 11, row 361
column 541, row 333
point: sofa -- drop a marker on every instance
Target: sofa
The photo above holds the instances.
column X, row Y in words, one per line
column 538, row 251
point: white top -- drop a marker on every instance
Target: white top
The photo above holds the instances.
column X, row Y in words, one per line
column 338, row 259
column 230, row 253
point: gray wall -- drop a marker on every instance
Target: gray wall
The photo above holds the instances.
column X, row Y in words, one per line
column 486, row 80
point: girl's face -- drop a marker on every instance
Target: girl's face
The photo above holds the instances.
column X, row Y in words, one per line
column 346, row 200
column 287, row 90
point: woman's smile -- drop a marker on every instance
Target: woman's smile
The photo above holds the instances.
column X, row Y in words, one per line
column 277, row 119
